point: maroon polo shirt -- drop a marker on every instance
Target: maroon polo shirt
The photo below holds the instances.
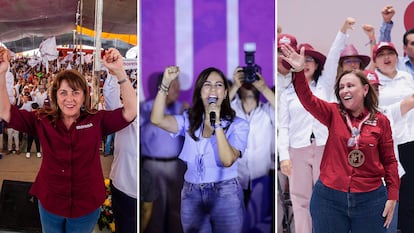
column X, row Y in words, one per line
column 70, row 181
column 375, row 142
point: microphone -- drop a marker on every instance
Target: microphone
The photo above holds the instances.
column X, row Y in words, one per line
column 212, row 100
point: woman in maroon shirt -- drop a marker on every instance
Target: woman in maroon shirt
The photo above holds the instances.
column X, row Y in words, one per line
column 350, row 195
column 70, row 184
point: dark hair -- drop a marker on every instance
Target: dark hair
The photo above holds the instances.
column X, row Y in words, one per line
column 318, row 71
column 370, row 100
column 196, row 112
column 76, row 81
column 405, row 40
column 250, row 87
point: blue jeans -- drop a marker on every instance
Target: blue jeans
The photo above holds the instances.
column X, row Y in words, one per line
column 108, row 143
column 334, row 211
column 212, row 207
column 52, row 223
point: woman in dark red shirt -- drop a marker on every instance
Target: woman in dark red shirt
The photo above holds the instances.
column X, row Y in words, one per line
column 350, row 195
column 70, row 183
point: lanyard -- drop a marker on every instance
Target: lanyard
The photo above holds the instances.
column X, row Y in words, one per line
column 355, row 132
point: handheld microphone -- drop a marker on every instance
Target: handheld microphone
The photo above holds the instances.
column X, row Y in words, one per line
column 212, row 100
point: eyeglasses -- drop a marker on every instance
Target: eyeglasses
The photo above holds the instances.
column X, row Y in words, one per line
column 309, row 59
column 352, row 61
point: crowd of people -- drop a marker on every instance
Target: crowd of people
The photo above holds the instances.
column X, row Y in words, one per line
column 53, row 107
column 352, row 171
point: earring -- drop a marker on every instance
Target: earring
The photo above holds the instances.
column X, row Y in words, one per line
column 83, row 108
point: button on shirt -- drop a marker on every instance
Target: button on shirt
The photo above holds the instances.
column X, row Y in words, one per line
column 375, row 142
column 70, row 181
column 202, row 157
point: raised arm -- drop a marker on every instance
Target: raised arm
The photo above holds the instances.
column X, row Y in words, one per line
column 158, row 116
column 4, row 98
column 238, row 79
column 113, row 61
column 370, row 32
column 261, row 86
column 385, row 31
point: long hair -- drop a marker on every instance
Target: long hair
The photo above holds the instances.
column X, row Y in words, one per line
column 370, row 100
column 196, row 112
column 77, row 82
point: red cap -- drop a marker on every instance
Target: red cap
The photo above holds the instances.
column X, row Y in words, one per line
column 287, row 39
column 372, row 77
column 381, row 46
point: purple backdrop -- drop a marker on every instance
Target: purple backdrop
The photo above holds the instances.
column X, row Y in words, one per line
column 256, row 23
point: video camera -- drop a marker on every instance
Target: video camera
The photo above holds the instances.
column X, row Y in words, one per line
column 251, row 68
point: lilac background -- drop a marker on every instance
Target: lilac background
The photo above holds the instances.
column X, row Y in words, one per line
column 256, row 24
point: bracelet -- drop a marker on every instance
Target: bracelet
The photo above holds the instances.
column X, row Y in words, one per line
column 218, row 126
column 122, row 81
column 371, row 42
column 162, row 89
column 165, row 86
column 296, row 70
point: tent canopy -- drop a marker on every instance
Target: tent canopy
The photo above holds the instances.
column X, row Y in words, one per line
column 43, row 18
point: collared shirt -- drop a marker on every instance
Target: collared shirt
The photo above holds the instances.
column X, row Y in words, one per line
column 256, row 161
column 202, row 156
column 124, row 170
column 70, row 181
column 154, row 141
column 405, row 64
column 296, row 124
column 375, row 142
column 394, row 90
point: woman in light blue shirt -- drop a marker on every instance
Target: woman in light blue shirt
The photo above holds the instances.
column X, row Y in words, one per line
column 212, row 198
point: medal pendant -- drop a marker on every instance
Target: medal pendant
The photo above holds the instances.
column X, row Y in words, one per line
column 356, row 158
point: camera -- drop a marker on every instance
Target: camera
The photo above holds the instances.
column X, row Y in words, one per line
column 251, row 68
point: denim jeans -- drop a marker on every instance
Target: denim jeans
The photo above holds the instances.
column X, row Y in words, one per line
column 52, row 223
column 212, row 207
column 334, row 211
column 108, row 143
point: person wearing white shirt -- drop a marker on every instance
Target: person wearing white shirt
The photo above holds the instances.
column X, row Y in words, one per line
column 256, row 161
column 301, row 141
column 124, row 170
column 397, row 85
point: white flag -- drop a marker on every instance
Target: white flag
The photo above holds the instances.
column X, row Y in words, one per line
column 48, row 49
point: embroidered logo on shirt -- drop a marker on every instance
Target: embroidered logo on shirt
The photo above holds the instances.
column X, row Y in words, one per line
column 371, row 122
column 84, row 126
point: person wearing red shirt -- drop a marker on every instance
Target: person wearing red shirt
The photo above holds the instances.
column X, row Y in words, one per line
column 70, row 183
column 349, row 195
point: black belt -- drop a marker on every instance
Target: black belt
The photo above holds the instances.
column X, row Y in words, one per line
column 159, row 159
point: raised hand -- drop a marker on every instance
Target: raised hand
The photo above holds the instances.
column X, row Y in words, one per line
column 297, row 61
column 4, row 60
column 387, row 13
column 369, row 31
column 170, row 73
column 348, row 24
